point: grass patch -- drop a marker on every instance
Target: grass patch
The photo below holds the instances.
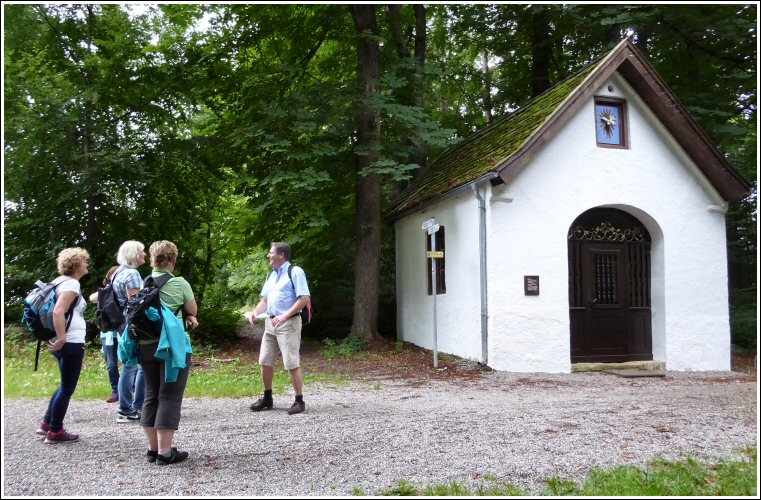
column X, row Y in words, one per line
column 492, row 488
column 214, row 379
column 688, row 477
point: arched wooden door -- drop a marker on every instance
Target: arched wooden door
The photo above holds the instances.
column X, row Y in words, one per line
column 609, row 287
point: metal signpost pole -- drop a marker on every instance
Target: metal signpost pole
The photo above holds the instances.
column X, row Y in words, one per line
column 431, row 227
column 433, row 283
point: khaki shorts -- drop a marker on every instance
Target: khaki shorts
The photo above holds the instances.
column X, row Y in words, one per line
column 286, row 339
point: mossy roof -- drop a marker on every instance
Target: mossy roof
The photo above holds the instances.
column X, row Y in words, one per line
column 503, row 147
column 481, row 153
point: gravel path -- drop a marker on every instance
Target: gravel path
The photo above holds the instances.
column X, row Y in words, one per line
column 516, row 428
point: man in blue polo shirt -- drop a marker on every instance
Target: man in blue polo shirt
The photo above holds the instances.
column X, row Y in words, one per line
column 282, row 300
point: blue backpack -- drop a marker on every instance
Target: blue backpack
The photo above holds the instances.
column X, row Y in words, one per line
column 38, row 312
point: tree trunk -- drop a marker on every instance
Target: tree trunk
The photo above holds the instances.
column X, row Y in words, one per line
column 368, row 220
column 540, row 48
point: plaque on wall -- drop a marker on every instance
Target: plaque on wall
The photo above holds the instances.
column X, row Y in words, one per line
column 531, row 285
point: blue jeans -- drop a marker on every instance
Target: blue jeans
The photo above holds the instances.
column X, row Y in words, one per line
column 131, row 380
column 70, row 359
column 112, row 363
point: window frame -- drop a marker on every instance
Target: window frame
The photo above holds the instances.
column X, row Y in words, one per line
column 623, row 121
column 441, row 284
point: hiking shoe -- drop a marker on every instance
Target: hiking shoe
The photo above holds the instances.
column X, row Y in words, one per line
column 113, row 398
column 42, row 429
column 174, row 458
column 261, row 404
column 122, row 417
column 151, row 454
column 296, row 407
column 61, row 437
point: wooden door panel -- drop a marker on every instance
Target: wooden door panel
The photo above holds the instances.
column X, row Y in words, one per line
column 640, row 345
column 609, row 297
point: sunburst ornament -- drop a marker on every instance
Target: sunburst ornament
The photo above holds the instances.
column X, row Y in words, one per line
column 607, row 122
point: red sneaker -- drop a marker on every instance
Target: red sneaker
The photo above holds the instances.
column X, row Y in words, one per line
column 113, row 398
column 61, row 437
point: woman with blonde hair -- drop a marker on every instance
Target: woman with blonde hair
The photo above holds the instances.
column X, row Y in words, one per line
column 163, row 400
column 127, row 282
column 68, row 346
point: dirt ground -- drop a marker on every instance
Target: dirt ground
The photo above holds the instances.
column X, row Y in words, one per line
column 388, row 360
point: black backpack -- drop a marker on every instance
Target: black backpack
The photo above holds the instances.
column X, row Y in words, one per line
column 139, row 323
column 38, row 313
column 306, row 312
column 109, row 316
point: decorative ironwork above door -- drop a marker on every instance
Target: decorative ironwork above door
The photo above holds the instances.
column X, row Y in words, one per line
column 606, row 232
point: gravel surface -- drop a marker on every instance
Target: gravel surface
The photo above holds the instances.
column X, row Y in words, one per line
column 513, row 428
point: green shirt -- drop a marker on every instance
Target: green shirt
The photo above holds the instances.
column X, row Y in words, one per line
column 175, row 292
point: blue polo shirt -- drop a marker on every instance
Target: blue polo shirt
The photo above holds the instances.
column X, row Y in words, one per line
column 278, row 291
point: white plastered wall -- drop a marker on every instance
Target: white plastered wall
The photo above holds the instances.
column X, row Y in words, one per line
column 458, row 310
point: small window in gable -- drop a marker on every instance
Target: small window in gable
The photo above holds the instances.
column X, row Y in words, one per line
column 440, row 269
column 610, row 123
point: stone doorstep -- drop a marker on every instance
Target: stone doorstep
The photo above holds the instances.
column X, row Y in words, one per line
column 652, row 366
column 636, row 373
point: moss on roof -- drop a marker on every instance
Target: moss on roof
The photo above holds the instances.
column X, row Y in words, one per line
column 480, row 153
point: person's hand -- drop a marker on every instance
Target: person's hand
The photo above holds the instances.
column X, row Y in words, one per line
column 250, row 317
column 55, row 344
column 278, row 320
column 193, row 322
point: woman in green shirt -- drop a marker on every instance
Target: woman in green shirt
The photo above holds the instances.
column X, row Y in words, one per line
column 163, row 401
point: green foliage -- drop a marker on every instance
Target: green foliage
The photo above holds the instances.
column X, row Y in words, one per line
column 349, row 347
column 744, row 317
column 248, row 275
column 218, row 325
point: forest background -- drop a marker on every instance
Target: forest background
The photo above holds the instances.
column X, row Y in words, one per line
column 225, row 127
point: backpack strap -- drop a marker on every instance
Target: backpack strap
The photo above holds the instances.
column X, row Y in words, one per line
column 69, row 315
column 113, row 278
column 290, row 277
column 309, row 304
column 37, row 355
column 161, row 281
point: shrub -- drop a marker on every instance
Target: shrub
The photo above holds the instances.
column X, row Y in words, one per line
column 743, row 318
column 349, row 347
